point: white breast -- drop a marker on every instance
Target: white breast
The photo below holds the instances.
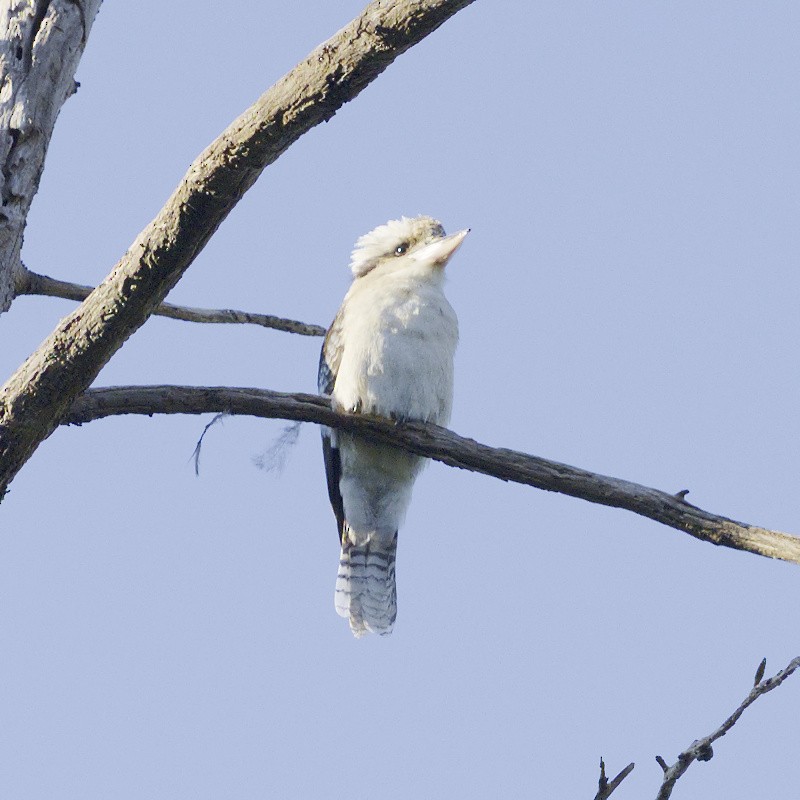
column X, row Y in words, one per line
column 399, row 339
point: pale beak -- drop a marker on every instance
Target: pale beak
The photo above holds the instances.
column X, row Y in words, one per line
column 438, row 253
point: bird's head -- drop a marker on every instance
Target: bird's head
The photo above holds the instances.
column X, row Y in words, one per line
column 412, row 246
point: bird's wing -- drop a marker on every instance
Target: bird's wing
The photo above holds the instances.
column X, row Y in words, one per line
column 329, row 360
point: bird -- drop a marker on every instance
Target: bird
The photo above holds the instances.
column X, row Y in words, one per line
column 388, row 352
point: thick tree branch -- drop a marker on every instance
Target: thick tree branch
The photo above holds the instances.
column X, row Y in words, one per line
column 442, row 445
column 35, row 284
column 40, row 46
column 700, row 749
column 37, row 396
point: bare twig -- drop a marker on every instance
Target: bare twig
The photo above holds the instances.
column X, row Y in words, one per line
column 606, row 787
column 35, row 284
column 700, row 749
column 442, row 445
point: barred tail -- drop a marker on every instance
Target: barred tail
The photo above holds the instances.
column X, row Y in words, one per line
column 365, row 585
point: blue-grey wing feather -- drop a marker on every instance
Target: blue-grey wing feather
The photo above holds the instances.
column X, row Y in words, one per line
column 329, row 359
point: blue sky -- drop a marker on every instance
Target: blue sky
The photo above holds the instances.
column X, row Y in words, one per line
column 628, row 301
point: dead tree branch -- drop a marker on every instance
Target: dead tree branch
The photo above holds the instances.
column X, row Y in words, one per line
column 35, row 284
column 701, row 749
column 442, row 445
column 36, row 397
column 40, row 47
column 605, row 787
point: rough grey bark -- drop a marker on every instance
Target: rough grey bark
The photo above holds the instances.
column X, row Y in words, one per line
column 36, row 397
column 41, row 44
column 446, row 446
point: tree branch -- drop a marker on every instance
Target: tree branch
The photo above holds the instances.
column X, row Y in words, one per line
column 40, row 47
column 442, row 445
column 700, row 749
column 605, row 787
column 38, row 395
column 35, row 284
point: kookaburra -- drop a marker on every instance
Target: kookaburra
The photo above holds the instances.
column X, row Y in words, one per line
column 389, row 352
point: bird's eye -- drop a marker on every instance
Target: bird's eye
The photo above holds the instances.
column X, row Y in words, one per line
column 401, row 249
